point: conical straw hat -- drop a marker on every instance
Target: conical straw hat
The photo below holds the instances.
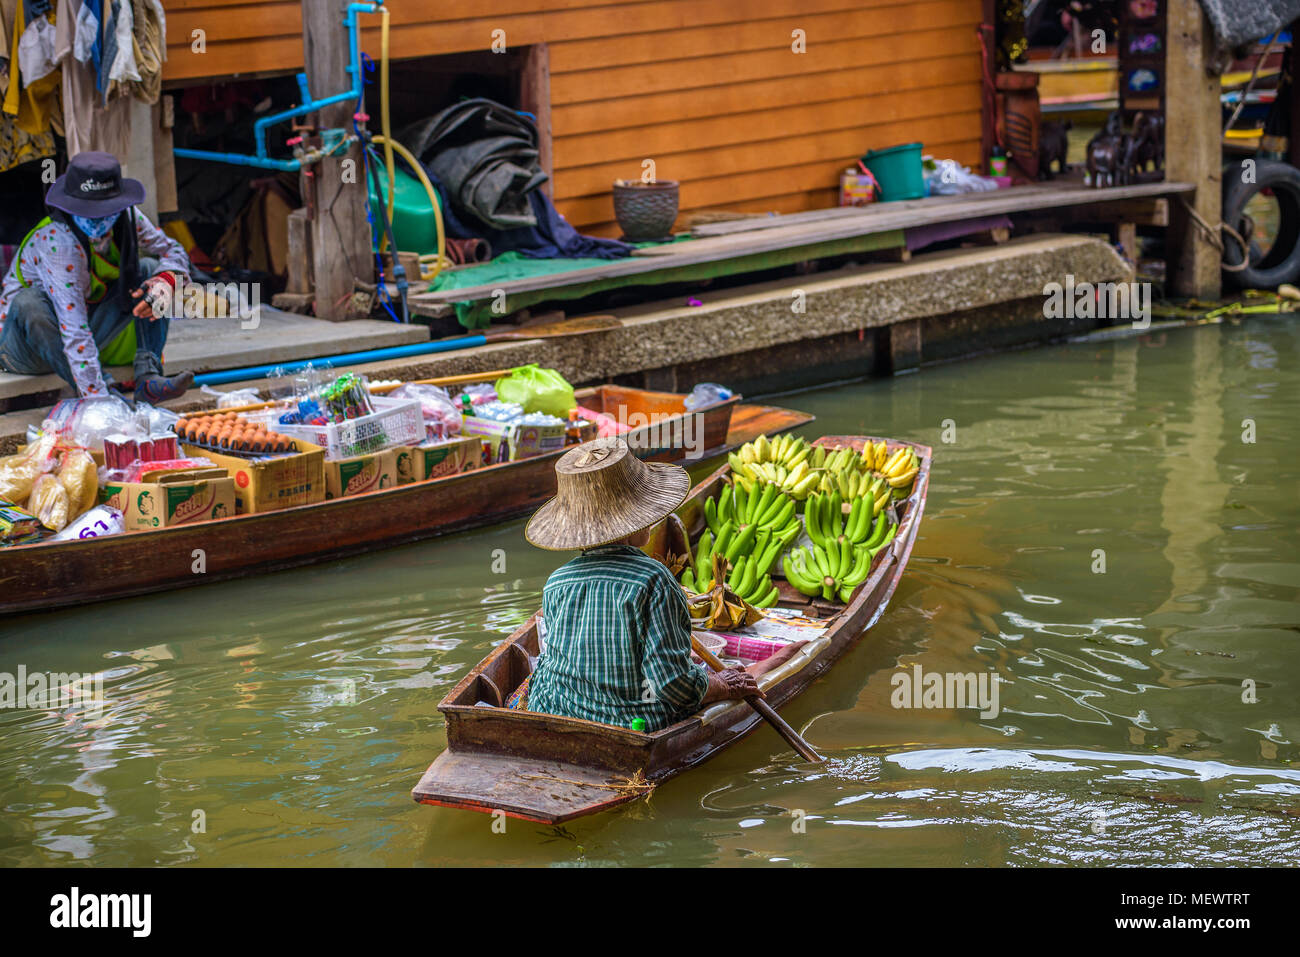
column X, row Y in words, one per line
column 605, row 493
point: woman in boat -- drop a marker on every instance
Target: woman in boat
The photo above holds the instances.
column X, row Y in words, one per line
column 617, row 630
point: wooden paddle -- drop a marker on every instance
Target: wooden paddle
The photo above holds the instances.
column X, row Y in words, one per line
column 577, row 326
column 763, row 708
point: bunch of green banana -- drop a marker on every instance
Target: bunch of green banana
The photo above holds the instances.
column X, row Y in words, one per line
column 844, row 544
column 841, row 471
column 749, row 530
column 765, row 506
column 785, row 462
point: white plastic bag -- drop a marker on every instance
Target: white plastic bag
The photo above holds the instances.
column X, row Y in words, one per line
column 227, row 400
column 99, row 521
column 948, row 178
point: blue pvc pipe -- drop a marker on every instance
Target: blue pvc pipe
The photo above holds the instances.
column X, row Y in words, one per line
column 261, row 159
column 347, row 358
column 240, row 159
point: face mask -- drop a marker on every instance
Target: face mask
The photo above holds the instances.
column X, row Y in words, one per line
column 96, row 228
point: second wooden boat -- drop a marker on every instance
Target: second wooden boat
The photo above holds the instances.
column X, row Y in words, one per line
column 42, row 576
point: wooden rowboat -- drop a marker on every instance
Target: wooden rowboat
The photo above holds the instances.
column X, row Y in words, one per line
column 49, row 575
column 551, row 769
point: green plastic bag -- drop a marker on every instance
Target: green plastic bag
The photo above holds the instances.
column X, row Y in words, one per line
column 537, row 390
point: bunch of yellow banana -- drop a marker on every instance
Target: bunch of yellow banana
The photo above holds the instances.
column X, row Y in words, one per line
column 874, row 456
column 786, row 462
column 899, row 471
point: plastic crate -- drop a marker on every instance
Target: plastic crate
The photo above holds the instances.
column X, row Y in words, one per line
column 394, row 422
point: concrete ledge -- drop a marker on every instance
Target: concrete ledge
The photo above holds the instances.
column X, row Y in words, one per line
column 848, row 304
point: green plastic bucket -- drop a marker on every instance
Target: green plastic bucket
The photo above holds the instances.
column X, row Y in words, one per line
column 898, row 170
column 415, row 228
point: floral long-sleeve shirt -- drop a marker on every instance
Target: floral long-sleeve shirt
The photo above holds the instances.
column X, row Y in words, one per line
column 53, row 261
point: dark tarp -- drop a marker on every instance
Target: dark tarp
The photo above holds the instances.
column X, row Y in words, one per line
column 485, row 154
column 551, row 238
column 482, row 158
column 1244, row 21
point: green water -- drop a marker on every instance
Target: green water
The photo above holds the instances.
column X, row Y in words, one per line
column 1122, row 734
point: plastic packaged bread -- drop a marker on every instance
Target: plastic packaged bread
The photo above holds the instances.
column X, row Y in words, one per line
column 79, row 476
column 19, row 472
column 49, row 502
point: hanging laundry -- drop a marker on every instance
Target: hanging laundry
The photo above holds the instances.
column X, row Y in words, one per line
column 25, row 131
column 88, row 46
column 85, row 28
column 8, row 8
column 122, row 68
column 90, row 126
column 150, row 44
column 108, row 46
column 36, row 50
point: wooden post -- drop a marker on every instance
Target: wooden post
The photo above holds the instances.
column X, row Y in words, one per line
column 300, row 276
column 905, row 346
column 340, row 236
column 1192, row 149
column 164, row 163
column 535, row 97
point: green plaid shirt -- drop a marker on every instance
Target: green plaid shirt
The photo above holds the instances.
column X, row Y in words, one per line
column 618, row 642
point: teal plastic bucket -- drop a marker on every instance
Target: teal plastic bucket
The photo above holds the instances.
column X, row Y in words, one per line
column 898, row 170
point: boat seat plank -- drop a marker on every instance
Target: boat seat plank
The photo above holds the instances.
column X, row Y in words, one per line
column 548, row 792
column 498, row 700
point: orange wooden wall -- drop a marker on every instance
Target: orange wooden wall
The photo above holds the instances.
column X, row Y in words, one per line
column 708, row 89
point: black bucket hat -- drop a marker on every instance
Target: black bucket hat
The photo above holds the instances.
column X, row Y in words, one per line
column 93, row 186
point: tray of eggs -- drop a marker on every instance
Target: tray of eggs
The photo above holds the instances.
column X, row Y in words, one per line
column 232, row 434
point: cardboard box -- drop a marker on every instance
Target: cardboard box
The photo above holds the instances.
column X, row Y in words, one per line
column 415, row 463
column 164, row 499
column 507, row 442
column 264, row 485
column 361, row 473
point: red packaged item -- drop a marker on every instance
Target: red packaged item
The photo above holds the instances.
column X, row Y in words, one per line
column 136, row 469
column 163, row 447
column 120, row 451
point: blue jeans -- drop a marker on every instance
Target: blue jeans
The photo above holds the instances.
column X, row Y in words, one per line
column 30, row 343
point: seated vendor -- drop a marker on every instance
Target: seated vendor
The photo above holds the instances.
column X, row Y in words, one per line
column 618, row 635
column 91, row 285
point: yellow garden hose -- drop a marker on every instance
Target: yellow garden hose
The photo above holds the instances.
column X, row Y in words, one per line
column 383, row 112
column 439, row 259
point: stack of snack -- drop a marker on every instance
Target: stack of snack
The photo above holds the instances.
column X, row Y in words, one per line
column 346, row 398
column 232, row 434
column 17, row 527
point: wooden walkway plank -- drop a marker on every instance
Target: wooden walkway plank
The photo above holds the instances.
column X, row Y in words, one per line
column 774, row 237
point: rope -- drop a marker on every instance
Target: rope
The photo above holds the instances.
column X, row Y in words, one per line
column 1213, row 238
column 1241, row 104
column 636, row 782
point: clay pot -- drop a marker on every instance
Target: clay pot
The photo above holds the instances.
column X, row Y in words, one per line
column 646, row 211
